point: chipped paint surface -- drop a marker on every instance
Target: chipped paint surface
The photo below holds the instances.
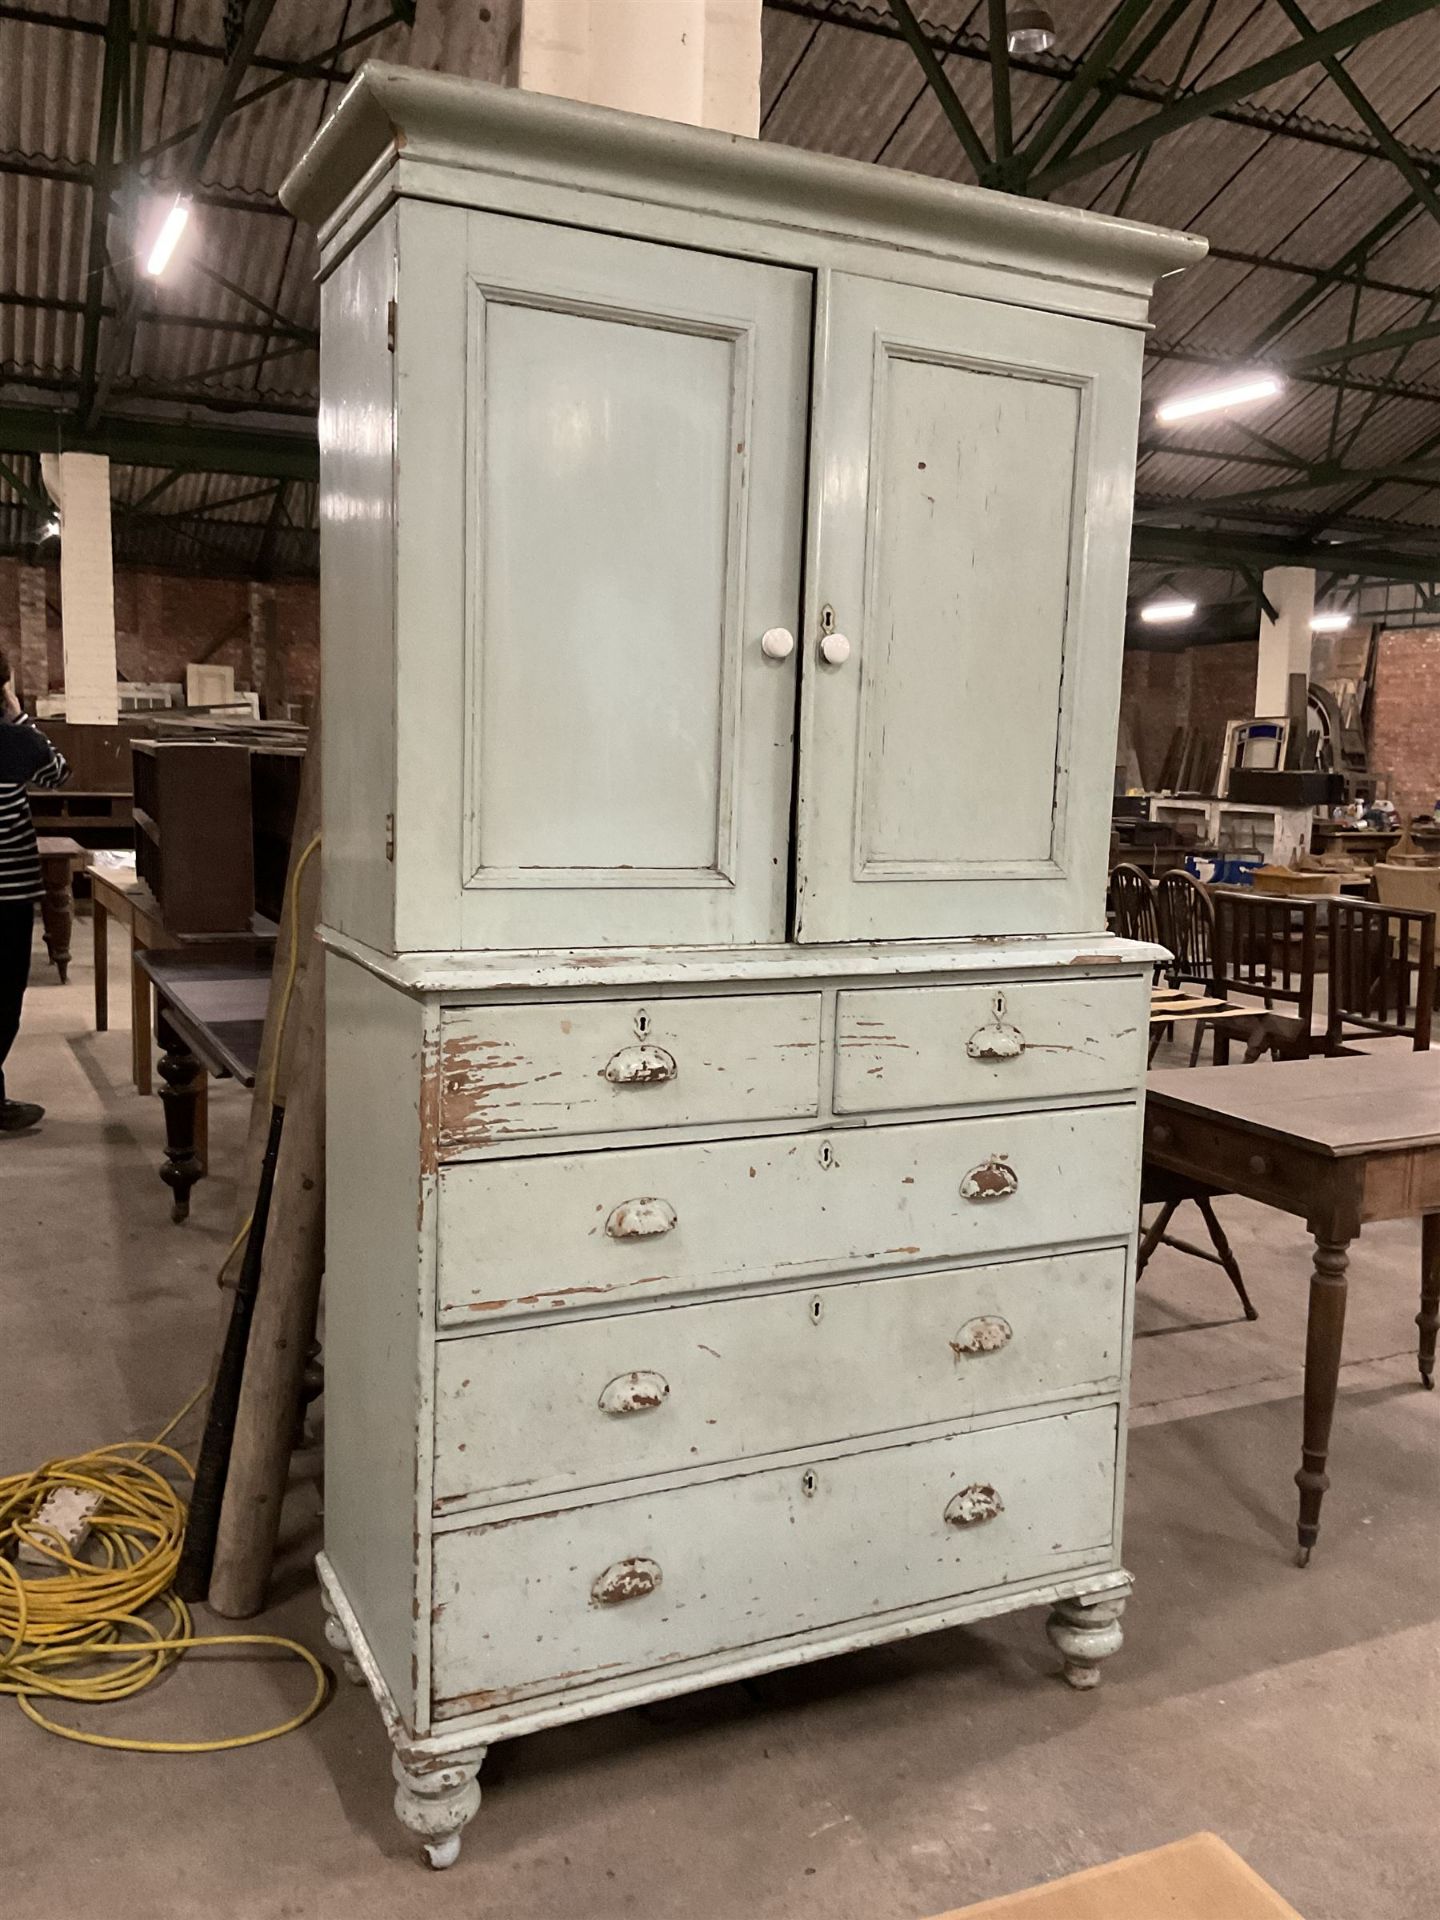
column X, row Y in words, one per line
column 526, row 1071
column 993, row 1179
column 640, row 1066
column 519, row 1236
column 638, row 1392
column 907, row 1047
column 630, row 1579
column 645, row 1218
column 974, row 1505
column 987, row 1334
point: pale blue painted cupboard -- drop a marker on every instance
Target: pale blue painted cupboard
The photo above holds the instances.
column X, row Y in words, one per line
column 732, row 1087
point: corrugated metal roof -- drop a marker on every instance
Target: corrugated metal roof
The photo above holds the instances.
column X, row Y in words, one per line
column 835, row 79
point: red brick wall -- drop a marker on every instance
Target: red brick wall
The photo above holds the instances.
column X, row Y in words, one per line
column 164, row 620
column 1200, row 687
column 1405, row 716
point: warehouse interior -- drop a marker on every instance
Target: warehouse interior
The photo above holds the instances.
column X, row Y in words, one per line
column 889, row 1028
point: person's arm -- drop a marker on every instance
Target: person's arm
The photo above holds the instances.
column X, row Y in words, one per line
column 29, row 757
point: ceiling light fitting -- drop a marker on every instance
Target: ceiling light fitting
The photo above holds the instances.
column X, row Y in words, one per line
column 1236, row 393
column 1335, row 621
column 167, row 236
column 1029, row 29
column 1167, row 613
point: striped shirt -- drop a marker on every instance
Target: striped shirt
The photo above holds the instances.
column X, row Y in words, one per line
column 27, row 759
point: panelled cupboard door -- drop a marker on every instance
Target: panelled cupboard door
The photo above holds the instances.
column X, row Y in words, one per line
column 631, row 524
column 971, row 494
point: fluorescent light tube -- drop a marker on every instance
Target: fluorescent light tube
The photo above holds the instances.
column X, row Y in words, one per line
column 1238, row 393
column 1335, row 622
column 166, row 240
column 1167, row 613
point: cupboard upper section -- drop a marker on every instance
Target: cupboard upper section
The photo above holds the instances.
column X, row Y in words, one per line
column 709, row 573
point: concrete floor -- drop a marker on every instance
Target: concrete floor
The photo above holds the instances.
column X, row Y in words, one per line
column 1294, row 1713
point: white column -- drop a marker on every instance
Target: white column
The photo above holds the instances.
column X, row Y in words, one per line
column 1284, row 642
column 79, row 484
column 691, row 60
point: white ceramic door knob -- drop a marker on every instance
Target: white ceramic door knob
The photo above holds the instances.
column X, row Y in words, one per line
column 834, row 649
column 777, row 644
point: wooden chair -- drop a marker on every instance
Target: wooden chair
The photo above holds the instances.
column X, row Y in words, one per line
column 1382, row 972
column 1186, row 919
column 1131, row 903
column 1186, row 916
column 1265, row 948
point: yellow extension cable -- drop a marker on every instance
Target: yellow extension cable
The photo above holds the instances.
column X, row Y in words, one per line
column 78, row 1613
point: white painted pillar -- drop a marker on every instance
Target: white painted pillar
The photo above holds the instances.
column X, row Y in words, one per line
column 692, row 60
column 79, row 484
column 1284, row 643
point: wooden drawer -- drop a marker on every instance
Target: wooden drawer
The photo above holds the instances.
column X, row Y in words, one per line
column 587, row 1402
column 556, row 1601
column 559, row 1232
column 608, row 1066
column 899, row 1048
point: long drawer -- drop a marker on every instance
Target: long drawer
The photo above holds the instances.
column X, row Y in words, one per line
column 605, row 1066
column 555, row 1233
column 902, row 1048
column 591, row 1402
column 553, row 1602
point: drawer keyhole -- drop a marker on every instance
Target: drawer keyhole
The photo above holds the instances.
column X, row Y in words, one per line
column 817, row 1310
column 642, row 1024
column 827, row 1155
column 809, row 1483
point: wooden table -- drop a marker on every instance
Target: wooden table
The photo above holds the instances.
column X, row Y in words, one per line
column 119, row 896
column 210, row 1018
column 1338, row 1141
column 59, row 857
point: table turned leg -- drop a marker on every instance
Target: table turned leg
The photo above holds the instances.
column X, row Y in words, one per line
column 1428, row 1318
column 100, row 930
column 184, row 1078
column 1324, row 1336
column 142, row 1044
column 57, row 914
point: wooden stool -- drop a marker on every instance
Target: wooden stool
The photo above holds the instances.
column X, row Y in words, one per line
column 1195, row 1879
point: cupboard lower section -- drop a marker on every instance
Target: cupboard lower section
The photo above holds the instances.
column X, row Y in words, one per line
column 556, row 1601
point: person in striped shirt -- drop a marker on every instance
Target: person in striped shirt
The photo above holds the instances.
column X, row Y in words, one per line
column 26, row 759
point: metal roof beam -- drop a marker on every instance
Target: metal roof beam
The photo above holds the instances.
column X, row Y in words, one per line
column 164, row 443
column 117, row 41
column 1004, row 131
column 181, row 43
column 1078, row 89
column 302, row 70
column 1214, row 546
column 938, row 81
column 1124, row 83
column 1311, row 50
column 154, row 316
column 1358, row 349
column 1314, row 377
column 1392, row 148
column 1330, row 276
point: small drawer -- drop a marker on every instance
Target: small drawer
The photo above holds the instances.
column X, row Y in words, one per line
column 559, row 1232
column 900, row 1048
column 587, row 1402
column 578, row 1067
column 559, row 1600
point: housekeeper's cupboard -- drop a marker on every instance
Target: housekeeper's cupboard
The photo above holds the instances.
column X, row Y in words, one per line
column 732, row 1089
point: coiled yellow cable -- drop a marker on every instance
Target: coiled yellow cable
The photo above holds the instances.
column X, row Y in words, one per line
column 71, row 1616
column 57, row 1624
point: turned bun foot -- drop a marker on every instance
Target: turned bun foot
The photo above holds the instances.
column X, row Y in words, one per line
column 1085, row 1633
